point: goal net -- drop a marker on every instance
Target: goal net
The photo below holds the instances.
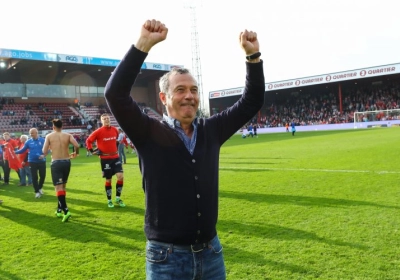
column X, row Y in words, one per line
column 375, row 116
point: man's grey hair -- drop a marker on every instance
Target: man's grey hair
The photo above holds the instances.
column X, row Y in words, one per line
column 164, row 80
column 23, row 136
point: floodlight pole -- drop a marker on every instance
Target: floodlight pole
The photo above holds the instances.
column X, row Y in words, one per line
column 195, row 46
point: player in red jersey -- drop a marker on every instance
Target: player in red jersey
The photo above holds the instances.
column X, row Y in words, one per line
column 106, row 141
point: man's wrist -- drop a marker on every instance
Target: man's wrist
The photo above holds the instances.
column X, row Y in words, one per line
column 253, row 56
column 254, row 60
column 142, row 45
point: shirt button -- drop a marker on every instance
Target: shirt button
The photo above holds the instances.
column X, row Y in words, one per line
column 195, row 177
column 199, row 214
column 198, row 196
column 193, row 160
column 198, row 232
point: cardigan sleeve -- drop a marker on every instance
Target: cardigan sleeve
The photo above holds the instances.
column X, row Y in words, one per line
column 229, row 121
column 118, row 96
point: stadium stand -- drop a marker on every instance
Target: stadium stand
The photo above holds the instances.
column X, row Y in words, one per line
column 14, row 118
column 314, row 108
column 94, row 113
column 70, row 86
column 20, row 117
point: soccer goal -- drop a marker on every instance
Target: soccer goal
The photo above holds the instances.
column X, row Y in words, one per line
column 361, row 118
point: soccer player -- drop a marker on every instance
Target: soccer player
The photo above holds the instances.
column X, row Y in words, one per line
column 250, row 130
column 58, row 142
column 293, row 125
column 255, row 130
column 106, row 139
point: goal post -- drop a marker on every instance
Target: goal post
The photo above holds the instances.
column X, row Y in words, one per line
column 366, row 117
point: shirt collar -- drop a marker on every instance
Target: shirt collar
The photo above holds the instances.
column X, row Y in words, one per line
column 175, row 123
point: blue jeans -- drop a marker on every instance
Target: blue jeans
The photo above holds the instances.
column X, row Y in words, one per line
column 121, row 153
column 25, row 172
column 165, row 262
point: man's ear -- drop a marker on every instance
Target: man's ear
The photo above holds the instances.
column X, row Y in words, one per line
column 163, row 97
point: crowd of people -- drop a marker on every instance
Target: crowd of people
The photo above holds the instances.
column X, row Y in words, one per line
column 316, row 108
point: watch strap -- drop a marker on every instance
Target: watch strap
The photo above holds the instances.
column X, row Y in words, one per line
column 253, row 56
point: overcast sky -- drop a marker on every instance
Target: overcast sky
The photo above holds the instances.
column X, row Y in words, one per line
column 298, row 38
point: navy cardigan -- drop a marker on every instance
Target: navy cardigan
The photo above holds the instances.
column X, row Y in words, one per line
column 181, row 189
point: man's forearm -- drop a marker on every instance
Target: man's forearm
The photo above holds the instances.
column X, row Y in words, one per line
column 124, row 75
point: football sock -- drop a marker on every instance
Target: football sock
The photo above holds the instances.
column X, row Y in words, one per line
column 118, row 187
column 62, row 204
column 108, row 190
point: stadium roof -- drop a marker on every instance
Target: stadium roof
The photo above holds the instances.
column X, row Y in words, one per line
column 362, row 73
column 29, row 67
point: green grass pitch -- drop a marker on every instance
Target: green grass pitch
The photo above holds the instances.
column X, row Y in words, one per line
column 317, row 205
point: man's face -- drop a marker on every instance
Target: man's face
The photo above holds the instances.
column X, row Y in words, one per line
column 22, row 139
column 33, row 133
column 105, row 120
column 6, row 137
column 182, row 99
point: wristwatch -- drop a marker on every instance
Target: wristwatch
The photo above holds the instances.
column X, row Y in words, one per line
column 253, row 56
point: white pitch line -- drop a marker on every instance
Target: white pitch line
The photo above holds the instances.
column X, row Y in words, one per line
column 313, row 170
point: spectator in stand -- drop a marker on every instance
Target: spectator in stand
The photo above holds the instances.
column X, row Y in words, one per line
column 77, row 104
column 36, row 159
column 10, row 159
column 95, row 123
column 25, row 170
column 89, row 128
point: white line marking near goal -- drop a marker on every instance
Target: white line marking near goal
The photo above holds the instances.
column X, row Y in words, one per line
column 311, row 170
